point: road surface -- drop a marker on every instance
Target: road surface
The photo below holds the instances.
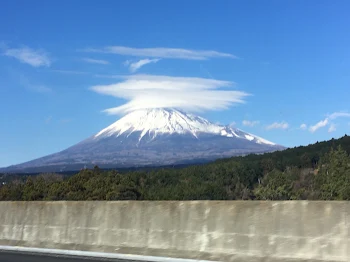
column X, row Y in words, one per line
column 30, row 257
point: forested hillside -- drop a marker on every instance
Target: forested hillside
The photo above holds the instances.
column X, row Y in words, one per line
column 318, row 171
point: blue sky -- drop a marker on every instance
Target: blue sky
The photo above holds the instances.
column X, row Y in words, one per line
column 292, row 57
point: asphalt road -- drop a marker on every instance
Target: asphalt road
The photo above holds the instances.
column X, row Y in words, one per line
column 29, row 257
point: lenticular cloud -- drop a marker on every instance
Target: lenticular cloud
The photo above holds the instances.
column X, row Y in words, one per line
column 186, row 93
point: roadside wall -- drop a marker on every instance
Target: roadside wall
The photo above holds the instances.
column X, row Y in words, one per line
column 212, row 230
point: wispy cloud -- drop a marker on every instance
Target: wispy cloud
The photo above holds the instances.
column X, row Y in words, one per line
column 38, row 88
column 278, row 125
column 328, row 121
column 95, row 61
column 250, row 123
column 134, row 66
column 265, row 63
column 154, row 91
column 332, row 128
column 162, row 52
column 204, row 70
column 26, row 55
column 3, row 45
column 303, row 127
column 48, row 119
column 65, row 120
column 72, row 72
column 338, row 114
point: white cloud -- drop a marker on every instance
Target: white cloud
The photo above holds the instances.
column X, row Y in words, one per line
column 332, row 128
column 276, row 125
column 317, row 126
column 187, row 93
column 162, row 52
column 133, row 67
column 326, row 121
column 338, row 114
column 95, row 61
column 29, row 56
column 303, row 126
column 250, row 123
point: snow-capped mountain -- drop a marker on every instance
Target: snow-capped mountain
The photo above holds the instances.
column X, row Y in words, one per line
column 152, row 137
column 153, row 122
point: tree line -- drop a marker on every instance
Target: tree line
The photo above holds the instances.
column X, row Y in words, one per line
column 316, row 172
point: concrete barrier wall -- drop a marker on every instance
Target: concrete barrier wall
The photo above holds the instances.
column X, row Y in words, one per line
column 211, row 230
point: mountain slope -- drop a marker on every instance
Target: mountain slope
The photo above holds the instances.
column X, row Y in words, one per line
column 154, row 137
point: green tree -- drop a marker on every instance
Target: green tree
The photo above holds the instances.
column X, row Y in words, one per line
column 333, row 179
column 276, row 185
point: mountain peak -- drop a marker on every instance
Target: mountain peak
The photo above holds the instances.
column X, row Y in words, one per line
column 156, row 121
column 159, row 121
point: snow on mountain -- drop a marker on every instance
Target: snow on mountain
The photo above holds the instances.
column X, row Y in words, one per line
column 169, row 121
